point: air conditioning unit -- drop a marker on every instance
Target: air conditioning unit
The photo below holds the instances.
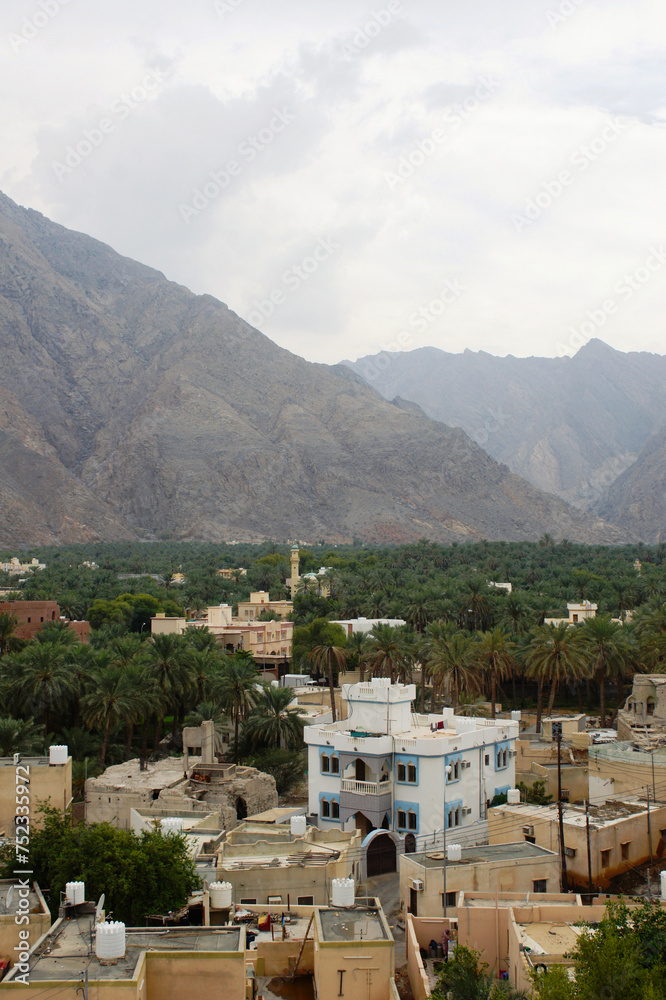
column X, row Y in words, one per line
column 467, row 763
column 513, row 753
column 528, row 831
column 467, row 811
column 416, row 884
column 570, row 852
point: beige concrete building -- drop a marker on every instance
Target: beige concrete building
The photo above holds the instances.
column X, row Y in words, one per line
column 275, row 865
column 618, row 835
column 515, row 868
column 16, row 568
column 48, row 782
column 576, row 613
column 269, row 643
column 230, row 574
column 167, row 787
column 260, row 602
column 621, row 768
column 156, row 965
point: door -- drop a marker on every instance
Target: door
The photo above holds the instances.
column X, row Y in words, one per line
column 413, row 907
column 381, row 855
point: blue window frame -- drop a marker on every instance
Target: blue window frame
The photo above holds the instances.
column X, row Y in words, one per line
column 406, row 769
column 454, row 814
column 329, row 762
column 454, row 761
column 407, row 816
column 502, row 758
column 329, row 807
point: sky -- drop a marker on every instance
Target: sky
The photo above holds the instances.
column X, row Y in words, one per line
column 358, row 177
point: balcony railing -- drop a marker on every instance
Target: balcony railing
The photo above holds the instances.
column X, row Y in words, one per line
column 365, row 787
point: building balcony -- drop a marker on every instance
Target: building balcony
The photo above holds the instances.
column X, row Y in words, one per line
column 365, row 787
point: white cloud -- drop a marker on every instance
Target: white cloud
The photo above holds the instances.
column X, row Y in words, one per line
column 362, row 95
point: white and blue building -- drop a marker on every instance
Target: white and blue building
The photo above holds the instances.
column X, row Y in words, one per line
column 385, row 768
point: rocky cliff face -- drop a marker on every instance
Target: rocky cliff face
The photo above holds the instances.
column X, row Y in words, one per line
column 569, row 425
column 637, row 499
column 130, row 407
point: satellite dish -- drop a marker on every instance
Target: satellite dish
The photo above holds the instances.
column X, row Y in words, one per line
column 10, row 896
column 99, row 908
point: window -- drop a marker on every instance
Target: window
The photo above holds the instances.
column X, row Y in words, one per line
column 487, row 758
column 650, row 706
column 502, row 758
column 625, row 850
column 539, row 884
column 305, row 900
column 335, row 810
column 325, row 809
column 411, row 772
column 605, row 858
column 530, row 840
column 565, row 794
column 274, row 900
column 401, row 772
column 249, row 902
column 411, row 820
column 449, row 898
column 454, row 773
column 402, row 818
column 325, row 764
column 455, row 817
column 335, row 765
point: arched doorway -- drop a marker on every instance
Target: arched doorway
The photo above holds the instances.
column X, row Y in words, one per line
column 410, row 843
column 380, row 853
column 241, row 809
column 359, row 769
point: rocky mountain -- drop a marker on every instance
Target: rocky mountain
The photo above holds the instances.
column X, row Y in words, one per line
column 570, row 426
column 131, row 408
column 637, row 499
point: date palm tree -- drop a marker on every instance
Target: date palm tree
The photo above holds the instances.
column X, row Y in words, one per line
column 385, row 658
column 554, row 654
column 110, row 700
column 43, row 679
column 324, row 657
column 272, row 724
column 495, row 657
column 8, row 624
column 610, row 653
column 454, row 665
column 236, row 689
column 165, row 665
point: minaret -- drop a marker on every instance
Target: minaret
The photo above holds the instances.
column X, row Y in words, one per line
column 295, row 578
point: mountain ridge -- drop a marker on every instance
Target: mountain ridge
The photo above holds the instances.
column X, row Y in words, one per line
column 136, row 409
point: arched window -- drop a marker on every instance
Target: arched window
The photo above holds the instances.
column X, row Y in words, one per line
column 650, row 706
column 335, row 809
column 401, row 772
column 325, row 763
column 325, row 809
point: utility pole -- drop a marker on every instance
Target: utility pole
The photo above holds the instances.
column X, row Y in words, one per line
column 654, row 787
column 649, row 824
column 589, row 854
column 557, row 731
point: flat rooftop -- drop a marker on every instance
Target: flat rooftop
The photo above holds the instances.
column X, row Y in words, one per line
column 612, row 811
column 358, row 924
column 482, row 855
column 161, row 774
column 72, row 947
column 548, row 937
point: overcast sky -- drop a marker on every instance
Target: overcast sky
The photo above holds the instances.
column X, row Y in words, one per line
column 351, row 177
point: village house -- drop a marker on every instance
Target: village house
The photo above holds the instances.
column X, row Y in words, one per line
column 400, row 777
column 617, row 834
column 33, row 615
column 49, row 780
column 429, row 887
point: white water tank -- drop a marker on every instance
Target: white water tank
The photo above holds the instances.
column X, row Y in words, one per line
column 342, row 892
column 298, row 826
column 663, row 886
column 75, row 893
column 171, row 824
column 220, row 895
column 515, row 716
column 513, row 796
column 110, row 940
column 454, row 852
column 58, row 754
